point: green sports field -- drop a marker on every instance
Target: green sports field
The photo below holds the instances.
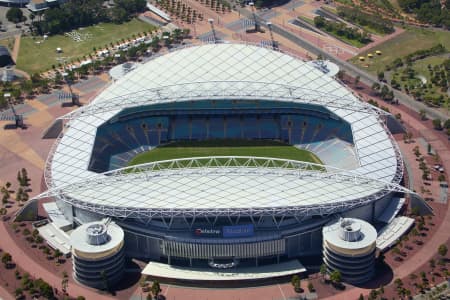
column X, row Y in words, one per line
column 225, row 148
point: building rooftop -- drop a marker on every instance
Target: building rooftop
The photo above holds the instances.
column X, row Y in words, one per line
column 350, row 233
column 109, row 236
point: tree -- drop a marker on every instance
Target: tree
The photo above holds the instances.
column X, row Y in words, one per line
column 156, row 288
column 57, row 255
column 437, row 124
column 45, row 289
column 18, row 293
column 25, row 196
column 39, row 239
column 15, row 15
column 295, row 281
column 396, row 251
column 19, row 178
column 323, row 270
column 373, row 295
column 26, row 282
column 65, row 282
column 46, row 251
column 6, row 259
column 19, row 194
column 447, row 124
column 336, row 276
column 357, row 79
column 341, row 74
column 423, row 114
column 375, row 86
column 399, row 283
column 432, row 264
column 442, row 250
column 310, row 287
column 6, row 195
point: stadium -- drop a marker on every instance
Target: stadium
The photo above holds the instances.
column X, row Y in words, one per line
column 283, row 150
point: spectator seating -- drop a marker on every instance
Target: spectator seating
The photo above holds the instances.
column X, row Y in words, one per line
column 139, row 130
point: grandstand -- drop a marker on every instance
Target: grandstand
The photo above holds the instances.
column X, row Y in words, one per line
column 309, row 128
column 208, row 211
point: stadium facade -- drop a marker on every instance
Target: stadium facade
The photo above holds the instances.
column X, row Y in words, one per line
column 224, row 211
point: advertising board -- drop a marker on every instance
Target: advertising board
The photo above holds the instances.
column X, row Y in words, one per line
column 237, row 231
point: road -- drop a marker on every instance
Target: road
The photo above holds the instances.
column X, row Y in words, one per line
column 349, row 68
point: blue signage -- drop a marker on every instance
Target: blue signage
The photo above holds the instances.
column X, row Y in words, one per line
column 237, row 231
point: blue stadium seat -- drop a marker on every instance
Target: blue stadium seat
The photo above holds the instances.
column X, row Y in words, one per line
column 250, row 128
column 233, row 128
column 198, row 129
column 180, row 129
column 216, row 128
column 269, row 128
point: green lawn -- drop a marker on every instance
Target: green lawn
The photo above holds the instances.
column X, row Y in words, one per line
column 402, row 45
column 225, row 148
column 421, row 65
column 342, row 38
column 37, row 57
column 307, row 20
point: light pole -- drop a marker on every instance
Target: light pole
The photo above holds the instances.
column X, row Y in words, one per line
column 252, row 5
column 211, row 22
column 73, row 96
column 17, row 118
column 274, row 45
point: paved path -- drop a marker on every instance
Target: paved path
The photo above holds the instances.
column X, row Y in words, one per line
column 4, row 295
column 15, row 52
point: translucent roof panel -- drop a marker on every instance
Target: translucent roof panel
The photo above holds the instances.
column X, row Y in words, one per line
column 222, row 71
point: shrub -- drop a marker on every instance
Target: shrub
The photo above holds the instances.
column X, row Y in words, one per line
column 437, row 124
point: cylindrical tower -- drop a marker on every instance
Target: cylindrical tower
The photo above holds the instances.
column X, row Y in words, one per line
column 349, row 247
column 98, row 255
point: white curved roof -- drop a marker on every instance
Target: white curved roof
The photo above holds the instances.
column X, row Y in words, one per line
column 368, row 234
column 221, row 71
column 79, row 241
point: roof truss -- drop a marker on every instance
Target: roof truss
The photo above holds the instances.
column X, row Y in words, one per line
column 228, row 165
column 211, row 90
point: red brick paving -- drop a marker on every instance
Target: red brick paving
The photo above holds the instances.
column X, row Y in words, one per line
column 29, row 264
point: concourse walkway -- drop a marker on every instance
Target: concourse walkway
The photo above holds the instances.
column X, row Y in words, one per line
column 160, row 270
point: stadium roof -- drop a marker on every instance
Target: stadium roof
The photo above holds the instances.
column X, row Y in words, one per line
column 222, row 71
column 202, row 184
